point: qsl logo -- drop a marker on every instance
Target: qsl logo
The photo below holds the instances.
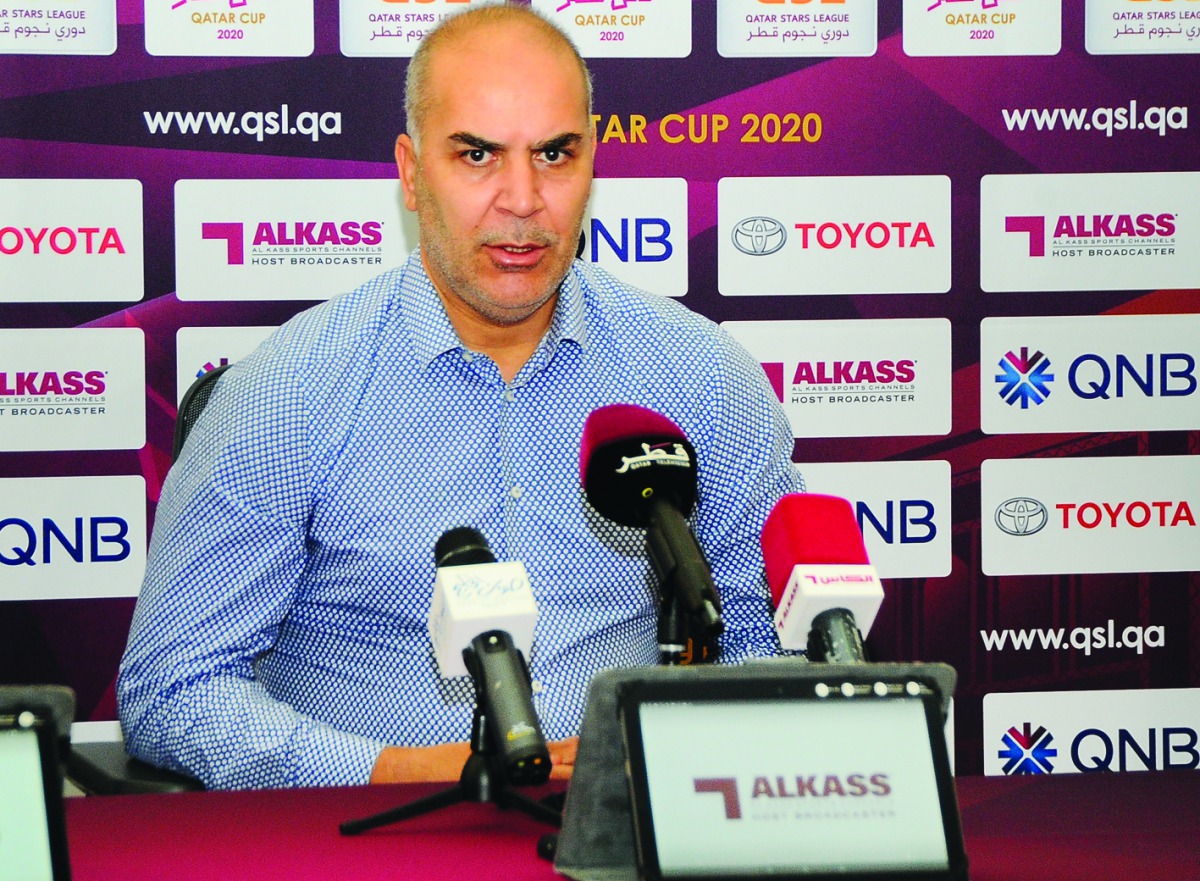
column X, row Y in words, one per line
column 1028, row 751
column 1024, row 378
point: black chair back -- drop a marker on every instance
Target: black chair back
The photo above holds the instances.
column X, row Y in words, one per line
column 195, row 399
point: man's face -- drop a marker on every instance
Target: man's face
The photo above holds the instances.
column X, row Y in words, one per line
column 504, row 171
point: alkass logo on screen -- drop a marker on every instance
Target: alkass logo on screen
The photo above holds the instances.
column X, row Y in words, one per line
column 72, row 389
column 879, row 382
column 1088, row 232
column 1096, row 235
column 40, row 384
column 766, row 795
column 1028, row 750
column 1093, row 730
column 855, row 378
column 300, row 243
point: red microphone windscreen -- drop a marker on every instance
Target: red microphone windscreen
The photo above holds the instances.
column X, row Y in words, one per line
column 809, row 529
column 620, row 422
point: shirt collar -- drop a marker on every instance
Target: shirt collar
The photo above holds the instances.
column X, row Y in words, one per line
column 433, row 335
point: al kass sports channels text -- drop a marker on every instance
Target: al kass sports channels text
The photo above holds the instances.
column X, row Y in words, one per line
column 1085, row 638
column 1102, row 119
column 257, row 124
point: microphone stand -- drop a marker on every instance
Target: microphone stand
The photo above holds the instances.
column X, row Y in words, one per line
column 482, row 780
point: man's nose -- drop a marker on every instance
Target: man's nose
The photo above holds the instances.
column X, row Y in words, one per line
column 520, row 192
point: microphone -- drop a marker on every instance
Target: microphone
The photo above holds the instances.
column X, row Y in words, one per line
column 472, row 594
column 639, row 469
column 477, row 604
column 822, row 583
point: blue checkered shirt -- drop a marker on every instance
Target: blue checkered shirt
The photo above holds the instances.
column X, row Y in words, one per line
column 280, row 638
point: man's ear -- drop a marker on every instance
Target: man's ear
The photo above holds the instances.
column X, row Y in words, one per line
column 406, row 165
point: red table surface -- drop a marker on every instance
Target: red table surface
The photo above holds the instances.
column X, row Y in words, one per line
column 1120, row 826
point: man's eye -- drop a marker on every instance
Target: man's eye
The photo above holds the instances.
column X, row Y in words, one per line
column 477, row 156
column 554, row 155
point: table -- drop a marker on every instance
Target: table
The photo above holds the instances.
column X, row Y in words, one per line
column 1119, row 826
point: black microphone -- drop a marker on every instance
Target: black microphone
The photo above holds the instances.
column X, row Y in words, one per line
column 639, row 469
column 503, row 692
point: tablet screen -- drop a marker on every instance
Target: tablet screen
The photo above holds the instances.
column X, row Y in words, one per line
column 24, row 830
column 759, row 787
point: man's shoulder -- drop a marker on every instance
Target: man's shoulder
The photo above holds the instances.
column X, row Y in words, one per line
column 341, row 324
column 627, row 309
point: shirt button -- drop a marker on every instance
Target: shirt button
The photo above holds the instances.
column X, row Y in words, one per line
column 510, row 395
column 516, row 492
column 468, row 356
column 535, row 686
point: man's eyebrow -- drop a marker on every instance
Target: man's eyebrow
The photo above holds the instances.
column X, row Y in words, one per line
column 558, row 142
column 475, row 142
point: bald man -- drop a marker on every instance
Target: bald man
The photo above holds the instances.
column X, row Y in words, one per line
column 280, row 637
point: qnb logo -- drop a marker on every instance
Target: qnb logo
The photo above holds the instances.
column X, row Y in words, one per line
column 1024, row 378
column 40, row 384
column 759, row 236
column 794, row 786
column 209, row 367
column 1160, row 749
column 301, row 236
column 1093, row 377
column 907, row 521
column 86, row 539
column 1082, row 228
column 1022, row 516
column 61, row 240
column 1120, row 515
column 651, row 242
column 1028, row 751
column 876, row 235
column 855, row 372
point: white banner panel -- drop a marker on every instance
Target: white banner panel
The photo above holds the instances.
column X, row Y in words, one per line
column 859, row 378
column 751, row 29
column 385, row 28
column 624, row 28
column 1069, row 732
column 72, row 389
column 637, row 229
column 58, row 27
column 70, row 241
column 1089, row 373
column 200, row 349
column 1089, row 232
column 982, row 27
column 1117, row 514
column 238, row 28
column 1135, row 27
column 72, row 537
column 833, row 235
column 286, row 239
column 903, row 510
